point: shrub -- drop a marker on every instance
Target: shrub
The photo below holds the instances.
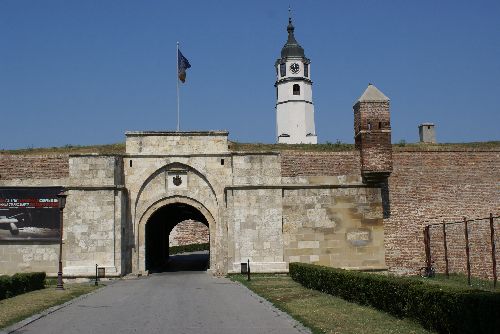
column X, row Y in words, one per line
column 445, row 309
column 188, row 248
column 17, row 284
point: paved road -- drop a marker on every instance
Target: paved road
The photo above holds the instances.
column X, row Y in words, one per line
column 169, row 302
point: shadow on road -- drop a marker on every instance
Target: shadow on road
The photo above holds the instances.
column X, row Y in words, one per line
column 195, row 261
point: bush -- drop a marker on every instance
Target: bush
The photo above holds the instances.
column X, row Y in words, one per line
column 17, row 284
column 445, row 309
column 188, row 248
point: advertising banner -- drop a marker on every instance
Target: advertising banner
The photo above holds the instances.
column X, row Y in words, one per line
column 29, row 213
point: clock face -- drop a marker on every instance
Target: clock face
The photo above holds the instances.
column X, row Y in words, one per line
column 295, row 68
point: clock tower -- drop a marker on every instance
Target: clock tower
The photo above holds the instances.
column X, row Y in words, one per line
column 294, row 106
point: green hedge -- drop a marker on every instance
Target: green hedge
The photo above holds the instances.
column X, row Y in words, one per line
column 189, row 248
column 440, row 308
column 17, row 284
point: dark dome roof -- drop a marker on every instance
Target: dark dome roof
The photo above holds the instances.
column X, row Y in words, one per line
column 291, row 47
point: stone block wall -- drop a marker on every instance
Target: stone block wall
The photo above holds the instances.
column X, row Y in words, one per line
column 188, row 143
column 256, row 169
column 28, row 256
column 95, row 170
column 255, row 229
column 431, row 186
column 334, row 226
column 33, row 167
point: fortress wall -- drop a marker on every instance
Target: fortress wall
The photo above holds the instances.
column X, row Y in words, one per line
column 429, row 187
column 255, row 168
column 94, row 229
column 338, row 227
column 299, row 163
column 33, row 167
column 255, row 229
column 31, row 171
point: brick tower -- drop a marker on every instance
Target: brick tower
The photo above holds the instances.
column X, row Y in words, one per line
column 372, row 134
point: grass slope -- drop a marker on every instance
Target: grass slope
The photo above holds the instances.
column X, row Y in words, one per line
column 23, row 306
column 119, row 148
column 323, row 313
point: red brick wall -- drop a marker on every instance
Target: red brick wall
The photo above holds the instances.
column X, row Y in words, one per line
column 189, row 232
column 479, row 245
column 33, row 167
column 429, row 187
column 299, row 163
column 373, row 135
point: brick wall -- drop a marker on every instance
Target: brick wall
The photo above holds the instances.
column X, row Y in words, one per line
column 33, row 167
column 295, row 163
column 429, row 187
column 425, row 187
column 189, row 232
column 479, row 245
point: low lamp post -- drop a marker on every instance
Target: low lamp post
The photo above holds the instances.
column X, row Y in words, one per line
column 61, row 197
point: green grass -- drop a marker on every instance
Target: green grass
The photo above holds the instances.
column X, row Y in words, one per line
column 22, row 306
column 324, row 313
column 460, row 281
column 69, row 149
column 338, row 146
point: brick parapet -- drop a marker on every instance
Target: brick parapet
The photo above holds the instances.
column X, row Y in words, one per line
column 34, row 167
column 300, row 163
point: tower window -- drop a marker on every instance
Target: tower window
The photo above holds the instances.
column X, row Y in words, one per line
column 296, row 89
column 283, row 69
column 380, row 125
column 306, row 70
column 369, row 126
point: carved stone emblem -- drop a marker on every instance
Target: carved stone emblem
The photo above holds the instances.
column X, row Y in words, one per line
column 177, row 180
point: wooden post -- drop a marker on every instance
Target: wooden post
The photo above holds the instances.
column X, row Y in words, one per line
column 427, row 243
column 493, row 256
column 466, row 230
column 447, row 272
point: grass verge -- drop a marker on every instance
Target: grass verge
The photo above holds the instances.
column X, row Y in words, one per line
column 460, row 281
column 22, row 306
column 321, row 312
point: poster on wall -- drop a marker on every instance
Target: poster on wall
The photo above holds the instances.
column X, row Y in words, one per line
column 29, row 214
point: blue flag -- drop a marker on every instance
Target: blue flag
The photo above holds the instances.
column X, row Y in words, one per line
column 182, row 66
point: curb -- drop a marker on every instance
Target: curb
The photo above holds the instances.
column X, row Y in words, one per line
column 17, row 326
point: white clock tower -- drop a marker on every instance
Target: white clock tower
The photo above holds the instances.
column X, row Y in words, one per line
column 294, row 106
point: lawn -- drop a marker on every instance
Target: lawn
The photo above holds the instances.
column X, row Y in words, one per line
column 324, row 313
column 460, row 281
column 22, row 306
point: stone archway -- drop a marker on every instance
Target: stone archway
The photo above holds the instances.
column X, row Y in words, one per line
column 157, row 237
column 178, row 208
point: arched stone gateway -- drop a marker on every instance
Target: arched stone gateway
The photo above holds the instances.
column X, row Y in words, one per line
column 156, row 224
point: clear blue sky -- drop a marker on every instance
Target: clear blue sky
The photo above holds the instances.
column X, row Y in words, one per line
column 84, row 72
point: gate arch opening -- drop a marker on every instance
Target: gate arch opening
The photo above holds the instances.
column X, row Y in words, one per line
column 157, row 234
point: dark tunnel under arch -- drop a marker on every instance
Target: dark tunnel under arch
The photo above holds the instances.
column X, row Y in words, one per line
column 158, row 228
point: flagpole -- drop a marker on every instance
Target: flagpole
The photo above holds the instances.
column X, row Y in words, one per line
column 177, row 79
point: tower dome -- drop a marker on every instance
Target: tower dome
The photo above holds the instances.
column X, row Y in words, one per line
column 292, row 48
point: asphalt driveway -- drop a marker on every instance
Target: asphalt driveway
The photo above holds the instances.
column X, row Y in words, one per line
column 168, row 302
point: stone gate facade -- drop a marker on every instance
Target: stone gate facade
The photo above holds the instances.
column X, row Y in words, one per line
column 359, row 209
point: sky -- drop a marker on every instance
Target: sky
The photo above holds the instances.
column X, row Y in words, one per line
column 84, row 72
